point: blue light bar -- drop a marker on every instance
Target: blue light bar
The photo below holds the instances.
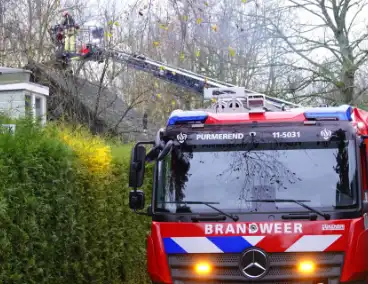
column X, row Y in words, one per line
column 319, row 113
column 187, row 116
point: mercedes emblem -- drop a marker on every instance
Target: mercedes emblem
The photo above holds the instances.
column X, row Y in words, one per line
column 254, row 263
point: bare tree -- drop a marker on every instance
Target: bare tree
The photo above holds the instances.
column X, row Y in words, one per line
column 329, row 46
column 24, row 30
column 110, row 93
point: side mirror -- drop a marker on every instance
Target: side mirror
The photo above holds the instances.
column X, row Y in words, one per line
column 166, row 150
column 136, row 199
column 136, row 172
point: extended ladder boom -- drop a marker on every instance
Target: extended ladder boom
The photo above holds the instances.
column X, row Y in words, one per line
column 187, row 79
column 94, row 50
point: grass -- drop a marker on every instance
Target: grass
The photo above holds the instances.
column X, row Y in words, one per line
column 120, row 152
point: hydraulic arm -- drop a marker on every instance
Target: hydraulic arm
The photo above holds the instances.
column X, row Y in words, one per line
column 93, row 49
column 181, row 77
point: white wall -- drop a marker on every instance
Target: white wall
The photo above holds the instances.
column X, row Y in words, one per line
column 12, row 103
column 14, row 87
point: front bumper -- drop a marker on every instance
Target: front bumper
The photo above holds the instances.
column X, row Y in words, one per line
column 282, row 268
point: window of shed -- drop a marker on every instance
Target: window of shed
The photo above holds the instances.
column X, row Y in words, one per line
column 28, row 105
column 38, row 107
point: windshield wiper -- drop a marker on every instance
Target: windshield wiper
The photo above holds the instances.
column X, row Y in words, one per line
column 299, row 202
column 235, row 218
column 209, row 218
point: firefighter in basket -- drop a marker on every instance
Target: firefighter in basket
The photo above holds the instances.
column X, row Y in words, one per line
column 70, row 28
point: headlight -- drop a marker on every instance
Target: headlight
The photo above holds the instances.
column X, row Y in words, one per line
column 306, row 267
column 203, row 268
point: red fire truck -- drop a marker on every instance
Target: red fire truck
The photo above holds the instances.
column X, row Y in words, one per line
column 257, row 196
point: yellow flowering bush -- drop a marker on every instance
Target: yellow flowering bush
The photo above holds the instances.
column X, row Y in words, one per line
column 91, row 150
column 61, row 222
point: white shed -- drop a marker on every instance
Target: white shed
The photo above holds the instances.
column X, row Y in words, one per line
column 20, row 97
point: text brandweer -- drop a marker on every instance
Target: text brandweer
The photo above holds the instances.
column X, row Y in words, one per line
column 267, row 228
column 220, row 136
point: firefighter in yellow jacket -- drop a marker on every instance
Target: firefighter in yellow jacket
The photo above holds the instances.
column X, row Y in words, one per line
column 70, row 31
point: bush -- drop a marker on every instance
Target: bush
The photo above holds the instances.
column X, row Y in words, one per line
column 134, row 228
column 91, row 151
column 64, row 209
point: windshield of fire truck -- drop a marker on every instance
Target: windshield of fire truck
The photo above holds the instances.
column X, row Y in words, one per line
column 324, row 173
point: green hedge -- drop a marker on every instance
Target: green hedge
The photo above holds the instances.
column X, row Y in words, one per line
column 58, row 224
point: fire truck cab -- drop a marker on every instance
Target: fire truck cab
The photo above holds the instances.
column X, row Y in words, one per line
column 257, row 196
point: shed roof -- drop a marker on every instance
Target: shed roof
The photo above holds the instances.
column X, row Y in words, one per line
column 8, row 70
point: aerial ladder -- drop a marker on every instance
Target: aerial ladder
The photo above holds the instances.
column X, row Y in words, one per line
column 224, row 96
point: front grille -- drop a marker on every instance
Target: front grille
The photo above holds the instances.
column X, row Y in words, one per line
column 282, row 268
